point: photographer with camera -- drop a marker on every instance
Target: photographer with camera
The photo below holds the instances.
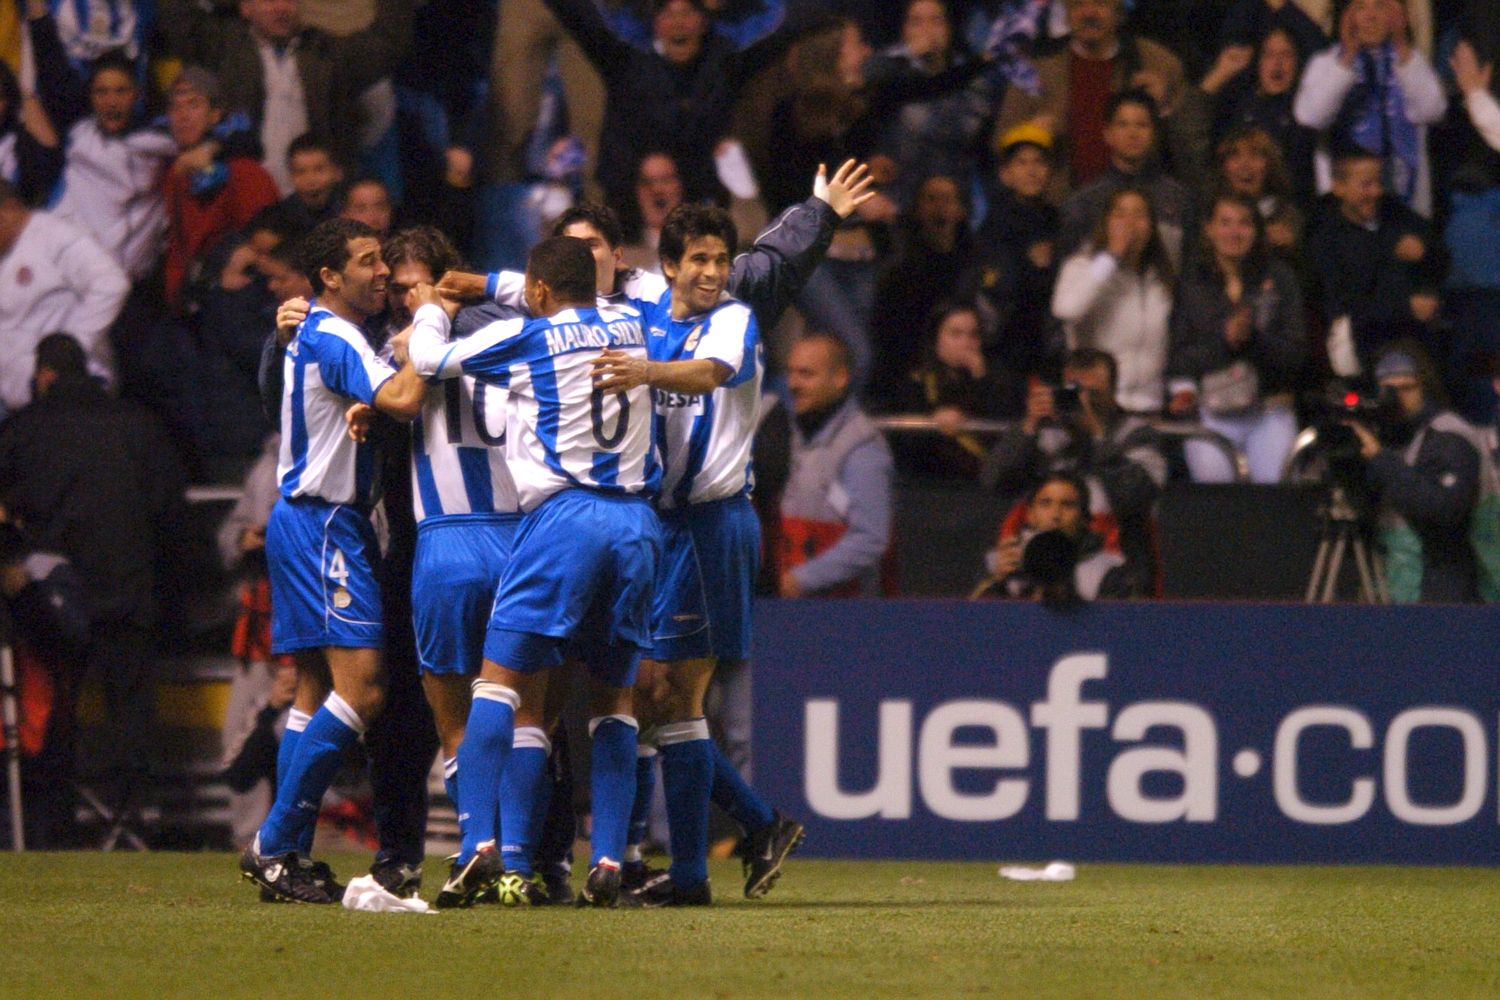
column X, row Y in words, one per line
column 1079, row 427
column 1055, row 557
column 1429, row 472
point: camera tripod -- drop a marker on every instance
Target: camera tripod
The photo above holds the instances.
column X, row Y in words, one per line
column 1343, row 529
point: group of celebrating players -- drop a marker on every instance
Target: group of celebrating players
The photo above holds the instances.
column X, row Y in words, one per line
column 580, row 460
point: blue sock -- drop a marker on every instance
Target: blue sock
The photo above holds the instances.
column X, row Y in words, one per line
column 523, row 799
column 450, row 780
column 296, row 724
column 294, row 817
column 733, row 794
column 481, row 762
column 640, row 809
column 612, row 784
column 687, row 774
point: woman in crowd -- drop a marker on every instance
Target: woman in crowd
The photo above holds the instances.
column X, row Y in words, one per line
column 955, row 383
column 1263, row 100
column 1250, row 165
column 1237, row 341
column 1115, row 294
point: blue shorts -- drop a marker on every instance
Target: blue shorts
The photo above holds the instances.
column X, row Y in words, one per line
column 460, row 559
column 322, row 559
column 709, row 560
column 583, row 569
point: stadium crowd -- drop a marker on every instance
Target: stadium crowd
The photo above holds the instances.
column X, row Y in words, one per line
column 1092, row 220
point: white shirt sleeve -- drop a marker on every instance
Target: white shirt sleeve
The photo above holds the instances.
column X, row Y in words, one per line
column 101, row 286
column 436, row 358
column 1082, row 279
column 1484, row 110
column 1325, row 84
column 724, row 337
column 1422, row 90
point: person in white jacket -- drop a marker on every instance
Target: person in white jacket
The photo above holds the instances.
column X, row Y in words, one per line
column 1115, row 294
column 53, row 278
column 1473, row 79
column 111, row 183
column 1375, row 90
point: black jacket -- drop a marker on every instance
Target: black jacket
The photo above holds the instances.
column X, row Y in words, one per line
column 1019, row 292
column 96, row 479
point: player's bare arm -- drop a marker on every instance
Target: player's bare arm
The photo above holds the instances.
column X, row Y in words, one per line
column 617, row 371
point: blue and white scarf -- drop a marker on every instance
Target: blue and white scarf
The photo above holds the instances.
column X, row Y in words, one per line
column 1374, row 117
column 1018, row 23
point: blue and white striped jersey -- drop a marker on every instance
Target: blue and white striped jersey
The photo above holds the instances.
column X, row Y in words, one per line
column 457, row 458
column 704, row 442
column 327, row 366
column 560, row 431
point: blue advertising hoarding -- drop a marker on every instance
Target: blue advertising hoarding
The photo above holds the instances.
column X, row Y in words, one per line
column 1132, row 732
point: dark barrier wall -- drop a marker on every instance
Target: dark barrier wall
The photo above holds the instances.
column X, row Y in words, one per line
column 1142, row 732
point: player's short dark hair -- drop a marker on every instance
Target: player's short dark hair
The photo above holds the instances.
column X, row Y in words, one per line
column 1133, row 96
column 113, row 59
column 842, row 356
column 310, row 142
column 63, row 354
column 565, row 265
column 426, row 245
column 601, row 217
column 688, row 222
column 1084, row 358
column 328, row 246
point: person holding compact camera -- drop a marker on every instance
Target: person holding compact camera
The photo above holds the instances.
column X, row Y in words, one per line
column 1429, row 473
column 1079, row 427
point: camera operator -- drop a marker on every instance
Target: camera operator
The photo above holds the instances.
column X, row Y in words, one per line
column 1031, row 564
column 1427, row 470
column 1080, row 428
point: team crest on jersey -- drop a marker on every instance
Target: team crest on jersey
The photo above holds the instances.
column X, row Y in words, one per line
column 341, row 598
column 657, row 331
column 692, row 341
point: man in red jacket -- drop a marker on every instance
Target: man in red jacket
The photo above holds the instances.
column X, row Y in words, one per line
column 208, row 194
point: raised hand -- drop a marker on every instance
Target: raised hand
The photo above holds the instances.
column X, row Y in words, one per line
column 851, row 187
column 289, row 316
column 462, row 286
column 1468, row 72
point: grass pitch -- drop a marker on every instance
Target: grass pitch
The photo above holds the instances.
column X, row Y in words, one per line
column 183, row 925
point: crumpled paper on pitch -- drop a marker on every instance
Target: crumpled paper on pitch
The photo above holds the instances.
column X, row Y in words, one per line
column 1057, row 871
column 369, row 896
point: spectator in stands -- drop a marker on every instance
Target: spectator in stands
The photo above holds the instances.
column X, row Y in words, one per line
column 1372, row 255
column 1059, row 504
column 1237, row 343
column 264, row 686
column 112, row 176
column 316, row 176
column 1117, row 454
column 97, row 480
column 1263, row 100
column 1017, row 249
column 658, row 190
column 291, row 79
column 678, row 96
column 1474, row 78
column 1115, row 295
column 1429, row 473
column 836, row 507
column 934, row 260
column 31, row 153
column 1130, row 134
column 953, row 384
column 367, row 200
column 53, row 276
column 1075, row 83
column 207, row 197
column 1250, row 166
column 941, row 134
column 1377, row 91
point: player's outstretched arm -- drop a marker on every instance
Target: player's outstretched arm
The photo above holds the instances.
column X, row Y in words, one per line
column 618, row 371
column 506, row 288
column 401, row 396
column 850, row 187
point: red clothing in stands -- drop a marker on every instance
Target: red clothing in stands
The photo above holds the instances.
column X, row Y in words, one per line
column 193, row 223
column 1090, row 82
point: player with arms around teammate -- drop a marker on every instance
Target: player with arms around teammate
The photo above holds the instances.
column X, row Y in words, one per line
column 322, row 550
column 580, row 574
column 706, row 365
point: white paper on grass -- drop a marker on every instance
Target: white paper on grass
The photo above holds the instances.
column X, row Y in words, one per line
column 369, row 896
column 1056, row 871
